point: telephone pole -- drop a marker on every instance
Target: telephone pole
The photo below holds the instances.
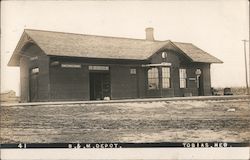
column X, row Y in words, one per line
column 245, row 53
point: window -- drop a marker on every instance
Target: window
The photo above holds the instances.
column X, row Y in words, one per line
column 165, row 77
column 34, row 70
column 132, row 71
column 153, row 78
column 183, row 78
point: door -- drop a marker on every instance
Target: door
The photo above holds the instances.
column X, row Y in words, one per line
column 33, row 86
column 99, row 85
column 200, row 86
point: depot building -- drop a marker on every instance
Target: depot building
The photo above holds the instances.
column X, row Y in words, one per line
column 58, row 66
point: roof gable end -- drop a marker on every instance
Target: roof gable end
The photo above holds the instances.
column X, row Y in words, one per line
column 196, row 54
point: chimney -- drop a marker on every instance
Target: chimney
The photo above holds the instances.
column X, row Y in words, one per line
column 149, row 34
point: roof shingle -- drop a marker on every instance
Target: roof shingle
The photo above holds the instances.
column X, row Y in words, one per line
column 90, row 46
column 196, row 54
column 79, row 45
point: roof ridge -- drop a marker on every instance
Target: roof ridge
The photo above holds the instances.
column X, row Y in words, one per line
column 95, row 46
column 94, row 35
column 182, row 42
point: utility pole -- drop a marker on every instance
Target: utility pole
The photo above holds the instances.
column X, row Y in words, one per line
column 245, row 53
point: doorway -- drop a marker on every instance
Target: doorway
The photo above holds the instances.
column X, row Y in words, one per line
column 99, row 85
column 200, row 86
column 33, row 85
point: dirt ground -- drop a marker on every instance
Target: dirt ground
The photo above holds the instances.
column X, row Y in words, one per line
column 179, row 121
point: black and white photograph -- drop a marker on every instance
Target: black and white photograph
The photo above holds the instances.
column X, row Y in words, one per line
column 113, row 75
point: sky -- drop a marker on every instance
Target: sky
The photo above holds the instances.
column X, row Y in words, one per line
column 217, row 27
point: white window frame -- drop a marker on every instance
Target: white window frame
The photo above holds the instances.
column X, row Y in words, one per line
column 166, row 77
column 183, row 77
column 153, row 78
column 132, row 70
column 35, row 70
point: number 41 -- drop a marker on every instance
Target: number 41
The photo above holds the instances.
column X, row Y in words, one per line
column 20, row 145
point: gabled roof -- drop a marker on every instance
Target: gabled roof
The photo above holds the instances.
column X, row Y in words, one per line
column 90, row 46
column 196, row 54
